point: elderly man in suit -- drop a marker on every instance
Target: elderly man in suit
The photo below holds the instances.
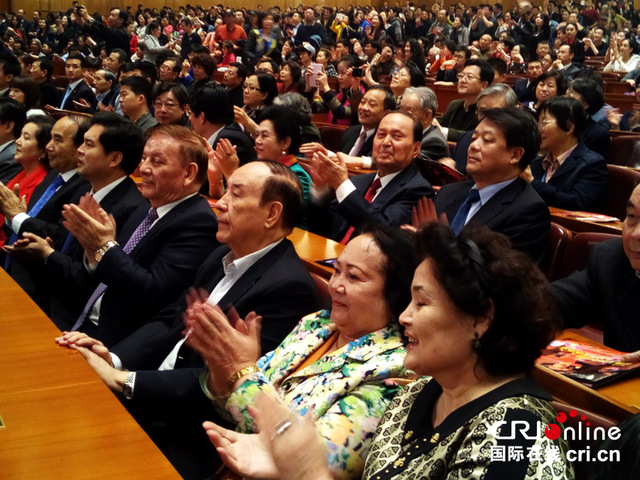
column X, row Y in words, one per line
column 256, row 270
column 78, row 96
column 43, row 215
column 421, row 103
column 503, row 144
column 12, row 118
column 356, row 144
column 608, row 290
column 385, row 197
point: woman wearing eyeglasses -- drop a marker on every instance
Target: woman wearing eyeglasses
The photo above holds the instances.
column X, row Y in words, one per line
column 258, row 93
column 569, row 176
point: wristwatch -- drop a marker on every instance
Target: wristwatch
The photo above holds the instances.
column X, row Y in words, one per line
column 127, row 388
column 100, row 253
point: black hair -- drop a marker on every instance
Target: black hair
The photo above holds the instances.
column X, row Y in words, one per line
column 120, row 135
column 214, row 101
column 139, row 86
column 389, row 102
column 31, row 90
column 479, row 269
column 179, row 91
column 13, row 111
column 285, row 125
column 267, row 85
column 591, row 92
column 283, row 186
column 398, row 248
column 568, row 112
column 486, row 70
column 519, row 129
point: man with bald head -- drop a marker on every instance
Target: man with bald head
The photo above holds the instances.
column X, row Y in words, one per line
column 608, row 290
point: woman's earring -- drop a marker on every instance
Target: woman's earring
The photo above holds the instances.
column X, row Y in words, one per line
column 475, row 343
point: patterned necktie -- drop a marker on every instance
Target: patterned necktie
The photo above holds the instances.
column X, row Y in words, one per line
column 139, row 233
column 358, row 145
column 48, row 193
column 369, row 196
column 461, row 217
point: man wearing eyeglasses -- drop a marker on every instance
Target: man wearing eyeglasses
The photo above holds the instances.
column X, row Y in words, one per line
column 460, row 115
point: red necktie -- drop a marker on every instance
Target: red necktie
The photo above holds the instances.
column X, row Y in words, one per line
column 371, row 193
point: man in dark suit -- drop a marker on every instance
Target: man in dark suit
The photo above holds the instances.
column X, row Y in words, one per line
column 107, row 89
column 387, row 196
column 608, row 290
column 523, row 87
column 233, row 80
column 43, row 215
column 422, row 104
column 161, row 249
column 504, row 143
column 78, row 96
column 565, row 64
column 41, row 71
column 257, row 270
column 107, row 155
column 357, row 140
column 212, row 118
column 12, row 118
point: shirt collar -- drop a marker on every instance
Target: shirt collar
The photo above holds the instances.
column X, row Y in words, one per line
column 104, row 191
column 237, row 266
column 490, row 190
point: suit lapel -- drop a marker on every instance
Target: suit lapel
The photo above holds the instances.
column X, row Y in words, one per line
column 569, row 165
column 394, row 187
column 495, row 205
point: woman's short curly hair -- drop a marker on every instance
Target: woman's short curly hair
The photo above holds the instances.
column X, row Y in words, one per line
column 479, row 268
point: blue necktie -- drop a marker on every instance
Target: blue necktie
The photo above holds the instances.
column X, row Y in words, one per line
column 48, row 193
column 459, row 220
column 66, row 95
column 135, row 237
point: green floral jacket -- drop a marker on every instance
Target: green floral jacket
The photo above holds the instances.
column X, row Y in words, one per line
column 348, row 390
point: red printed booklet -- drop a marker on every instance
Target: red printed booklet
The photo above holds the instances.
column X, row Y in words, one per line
column 591, row 365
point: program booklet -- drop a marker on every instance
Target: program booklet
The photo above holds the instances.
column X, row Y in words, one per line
column 591, row 365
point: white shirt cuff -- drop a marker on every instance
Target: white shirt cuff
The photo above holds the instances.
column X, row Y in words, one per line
column 115, row 360
column 16, row 223
column 367, row 162
column 344, row 190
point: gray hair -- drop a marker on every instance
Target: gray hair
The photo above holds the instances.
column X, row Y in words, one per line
column 428, row 99
column 110, row 76
column 501, row 90
column 297, row 104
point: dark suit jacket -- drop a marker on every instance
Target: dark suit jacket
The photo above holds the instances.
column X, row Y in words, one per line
column 350, row 137
column 156, row 271
column 580, row 183
column 391, row 207
column 458, row 120
column 524, row 92
column 434, row 146
column 47, row 223
column 516, row 211
column 595, row 137
column 170, row 404
column 462, row 148
column 8, row 166
column 607, row 291
column 50, row 94
column 69, row 283
column 82, row 90
column 236, row 96
column 242, row 141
